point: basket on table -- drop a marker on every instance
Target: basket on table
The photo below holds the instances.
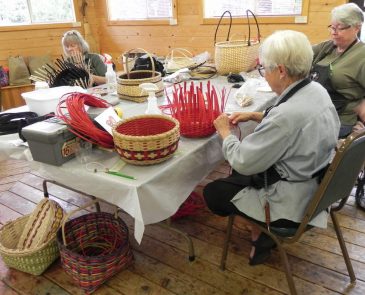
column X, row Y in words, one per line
column 196, row 107
column 146, row 139
column 29, row 243
column 128, row 83
column 178, row 59
column 94, row 247
column 234, row 56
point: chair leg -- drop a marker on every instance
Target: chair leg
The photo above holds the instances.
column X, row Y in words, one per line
column 343, row 247
column 226, row 242
column 288, row 273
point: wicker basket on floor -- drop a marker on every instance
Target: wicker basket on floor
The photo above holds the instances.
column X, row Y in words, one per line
column 94, row 247
column 146, row 139
column 36, row 257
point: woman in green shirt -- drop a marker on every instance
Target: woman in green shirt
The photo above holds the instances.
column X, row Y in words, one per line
column 75, row 45
column 339, row 63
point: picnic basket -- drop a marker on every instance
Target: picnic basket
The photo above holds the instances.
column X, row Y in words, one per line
column 146, row 139
column 94, row 247
column 29, row 243
column 234, row 56
column 128, row 83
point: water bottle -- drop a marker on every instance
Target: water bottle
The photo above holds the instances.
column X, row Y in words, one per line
column 111, row 79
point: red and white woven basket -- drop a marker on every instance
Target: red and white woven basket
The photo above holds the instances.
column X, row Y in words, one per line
column 146, row 139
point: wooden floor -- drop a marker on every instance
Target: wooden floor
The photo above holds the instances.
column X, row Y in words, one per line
column 161, row 265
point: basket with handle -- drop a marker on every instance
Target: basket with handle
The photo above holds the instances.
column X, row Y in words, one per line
column 178, row 58
column 128, row 83
column 29, row 243
column 94, row 247
column 130, row 58
column 234, row 56
column 146, row 139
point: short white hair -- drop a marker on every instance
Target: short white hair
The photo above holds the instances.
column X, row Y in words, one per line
column 74, row 37
column 348, row 14
column 289, row 48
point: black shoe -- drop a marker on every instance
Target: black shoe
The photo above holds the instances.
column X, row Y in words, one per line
column 263, row 246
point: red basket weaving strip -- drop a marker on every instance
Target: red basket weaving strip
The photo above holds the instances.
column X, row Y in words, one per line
column 145, row 127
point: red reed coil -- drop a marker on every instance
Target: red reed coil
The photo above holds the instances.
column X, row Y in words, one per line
column 71, row 109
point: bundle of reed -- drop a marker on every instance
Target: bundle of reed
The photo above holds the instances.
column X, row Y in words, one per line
column 196, row 108
column 65, row 72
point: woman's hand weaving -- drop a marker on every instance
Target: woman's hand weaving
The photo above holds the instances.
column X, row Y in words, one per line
column 222, row 125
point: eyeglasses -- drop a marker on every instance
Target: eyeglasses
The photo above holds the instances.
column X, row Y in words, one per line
column 261, row 70
column 337, row 29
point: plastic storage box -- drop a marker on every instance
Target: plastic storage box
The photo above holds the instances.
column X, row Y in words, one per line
column 50, row 142
column 44, row 101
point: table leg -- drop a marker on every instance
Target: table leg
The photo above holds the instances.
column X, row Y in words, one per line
column 167, row 224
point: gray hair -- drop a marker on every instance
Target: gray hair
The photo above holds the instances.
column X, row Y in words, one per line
column 348, row 14
column 289, row 48
column 74, row 37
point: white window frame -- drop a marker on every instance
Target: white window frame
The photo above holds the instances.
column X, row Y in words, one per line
column 150, row 21
column 262, row 19
column 40, row 26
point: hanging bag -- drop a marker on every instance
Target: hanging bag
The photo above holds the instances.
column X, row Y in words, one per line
column 234, row 56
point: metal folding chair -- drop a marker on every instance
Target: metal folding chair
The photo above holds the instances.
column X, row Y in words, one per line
column 333, row 192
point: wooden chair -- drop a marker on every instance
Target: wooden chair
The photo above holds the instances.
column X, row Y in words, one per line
column 333, row 192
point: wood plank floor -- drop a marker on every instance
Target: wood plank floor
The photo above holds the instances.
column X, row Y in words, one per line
column 161, row 265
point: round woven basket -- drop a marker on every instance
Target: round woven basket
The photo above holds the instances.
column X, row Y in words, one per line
column 36, row 258
column 146, row 139
column 93, row 248
column 128, row 85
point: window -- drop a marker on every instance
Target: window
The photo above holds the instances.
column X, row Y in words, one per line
column 276, row 11
column 30, row 12
column 142, row 11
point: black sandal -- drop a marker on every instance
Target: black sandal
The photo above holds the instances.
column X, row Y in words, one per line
column 263, row 246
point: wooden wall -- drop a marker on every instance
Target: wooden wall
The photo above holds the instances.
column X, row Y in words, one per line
column 188, row 33
column 196, row 37
column 42, row 41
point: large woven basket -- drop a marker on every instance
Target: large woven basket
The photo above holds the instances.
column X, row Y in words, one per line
column 37, row 257
column 94, row 247
column 128, row 83
column 146, row 139
column 234, row 56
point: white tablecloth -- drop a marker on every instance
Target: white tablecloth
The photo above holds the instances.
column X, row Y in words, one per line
column 158, row 190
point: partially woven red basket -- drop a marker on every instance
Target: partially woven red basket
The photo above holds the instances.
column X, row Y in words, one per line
column 191, row 125
column 93, row 248
column 196, row 107
column 146, row 139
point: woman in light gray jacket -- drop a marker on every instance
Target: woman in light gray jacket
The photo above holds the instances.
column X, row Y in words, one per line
column 293, row 142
